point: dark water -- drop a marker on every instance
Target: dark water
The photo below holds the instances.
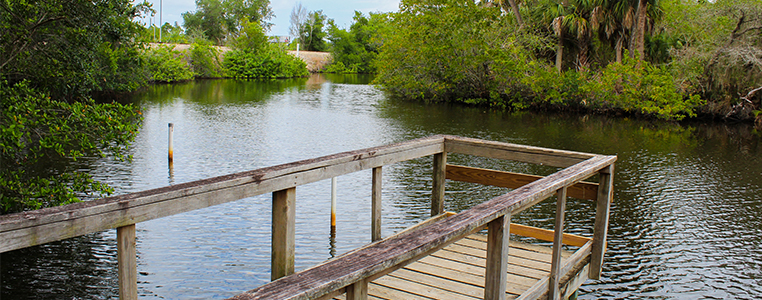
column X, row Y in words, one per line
column 686, row 224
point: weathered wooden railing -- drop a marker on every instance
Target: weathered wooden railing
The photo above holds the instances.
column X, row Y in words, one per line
column 351, row 272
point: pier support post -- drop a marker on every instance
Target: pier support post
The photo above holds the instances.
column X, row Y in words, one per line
column 558, row 236
column 496, row 274
column 126, row 258
column 283, row 233
column 603, row 205
column 375, row 233
column 438, row 185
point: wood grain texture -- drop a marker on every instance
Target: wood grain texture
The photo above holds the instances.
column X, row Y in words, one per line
column 27, row 229
column 387, row 253
column 499, row 150
column 603, row 206
column 496, row 273
column 438, row 184
column 127, row 261
column 555, row 262
column 582, row 190
column 283, row 233
column 358, row 291
column 547, row 235
column 375, row 220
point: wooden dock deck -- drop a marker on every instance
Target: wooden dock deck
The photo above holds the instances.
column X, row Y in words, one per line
column 457, row 272
column 444, row 257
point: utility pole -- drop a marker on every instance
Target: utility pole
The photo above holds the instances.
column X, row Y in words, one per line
column 161, row 3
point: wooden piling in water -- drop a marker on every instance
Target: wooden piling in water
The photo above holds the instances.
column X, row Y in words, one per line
column 170, row 151
column 333, row 202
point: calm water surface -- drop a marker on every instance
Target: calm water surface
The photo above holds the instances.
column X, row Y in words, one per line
column 686, row 222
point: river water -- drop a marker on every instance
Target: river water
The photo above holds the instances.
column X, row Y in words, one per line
column 686, row 222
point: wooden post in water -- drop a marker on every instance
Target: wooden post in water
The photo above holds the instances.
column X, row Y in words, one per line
column 375, row 211
column 126, row 257
column 438, row 185
column 603, row 205
column 496, row 273
column 171, row 132
column 558, row 236
column 283, row 233
column 333, row 202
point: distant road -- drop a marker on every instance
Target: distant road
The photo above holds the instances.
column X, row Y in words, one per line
column 315, row 60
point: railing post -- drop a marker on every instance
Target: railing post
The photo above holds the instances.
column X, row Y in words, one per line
column 283, row 233
column 438, row 185
column 358, row 290
column 603, row 205
column 558, row 236
column 496, row 274
column 126, row 258
column 375, row 233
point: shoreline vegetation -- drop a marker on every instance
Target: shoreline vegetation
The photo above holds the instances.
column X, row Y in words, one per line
column 671, row 60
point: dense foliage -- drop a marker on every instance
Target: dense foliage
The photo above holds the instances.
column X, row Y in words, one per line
column 355, row 50
column 254, row 57
column 38, row 133
column 270, row 62
column 53, row 56
column 217, row 19
column 166, row 65
column 640, row 57
column 87, row 46
column 205, row 60
column 312, row 35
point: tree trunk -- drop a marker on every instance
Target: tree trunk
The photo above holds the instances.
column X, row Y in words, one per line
column 618, row 48
column 516, row 12
column 583, row 57
column 560, row 51
column 637, row 41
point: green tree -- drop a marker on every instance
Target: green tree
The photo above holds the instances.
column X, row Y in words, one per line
column 86, row 46
column 254, row 57
column 312, row 36
column 53, row 56
column 39, row 135
column 452, row 50
column 355, row 51
column 218, row 19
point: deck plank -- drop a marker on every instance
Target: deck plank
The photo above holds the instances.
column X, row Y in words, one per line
column 457, row 272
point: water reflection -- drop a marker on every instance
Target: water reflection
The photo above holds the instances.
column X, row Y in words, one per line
column 685, row 222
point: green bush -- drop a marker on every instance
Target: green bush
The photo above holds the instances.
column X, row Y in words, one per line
column 167, row 65
column 39, row 135
column 204, row 60
column 638, row 87
column 270, row 62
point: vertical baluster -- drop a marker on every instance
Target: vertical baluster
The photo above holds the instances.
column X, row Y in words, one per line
column 496, row 274
column 358, row 290
column 438, row 185
column 283, row 233
column 126, row 258
column 603, row 205
column 558, row 235
column 375, row 233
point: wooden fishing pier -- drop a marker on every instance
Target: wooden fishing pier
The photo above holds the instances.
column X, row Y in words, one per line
column 444, row 257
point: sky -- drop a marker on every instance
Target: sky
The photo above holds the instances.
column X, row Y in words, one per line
column 338, row 10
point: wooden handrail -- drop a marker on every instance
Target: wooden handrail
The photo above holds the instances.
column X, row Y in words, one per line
column 353, row 271
column 26, row 229
column 379, row 256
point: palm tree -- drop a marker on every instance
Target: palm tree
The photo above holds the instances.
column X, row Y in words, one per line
column 613, row 20
column 648, row 12
column 570, row 17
